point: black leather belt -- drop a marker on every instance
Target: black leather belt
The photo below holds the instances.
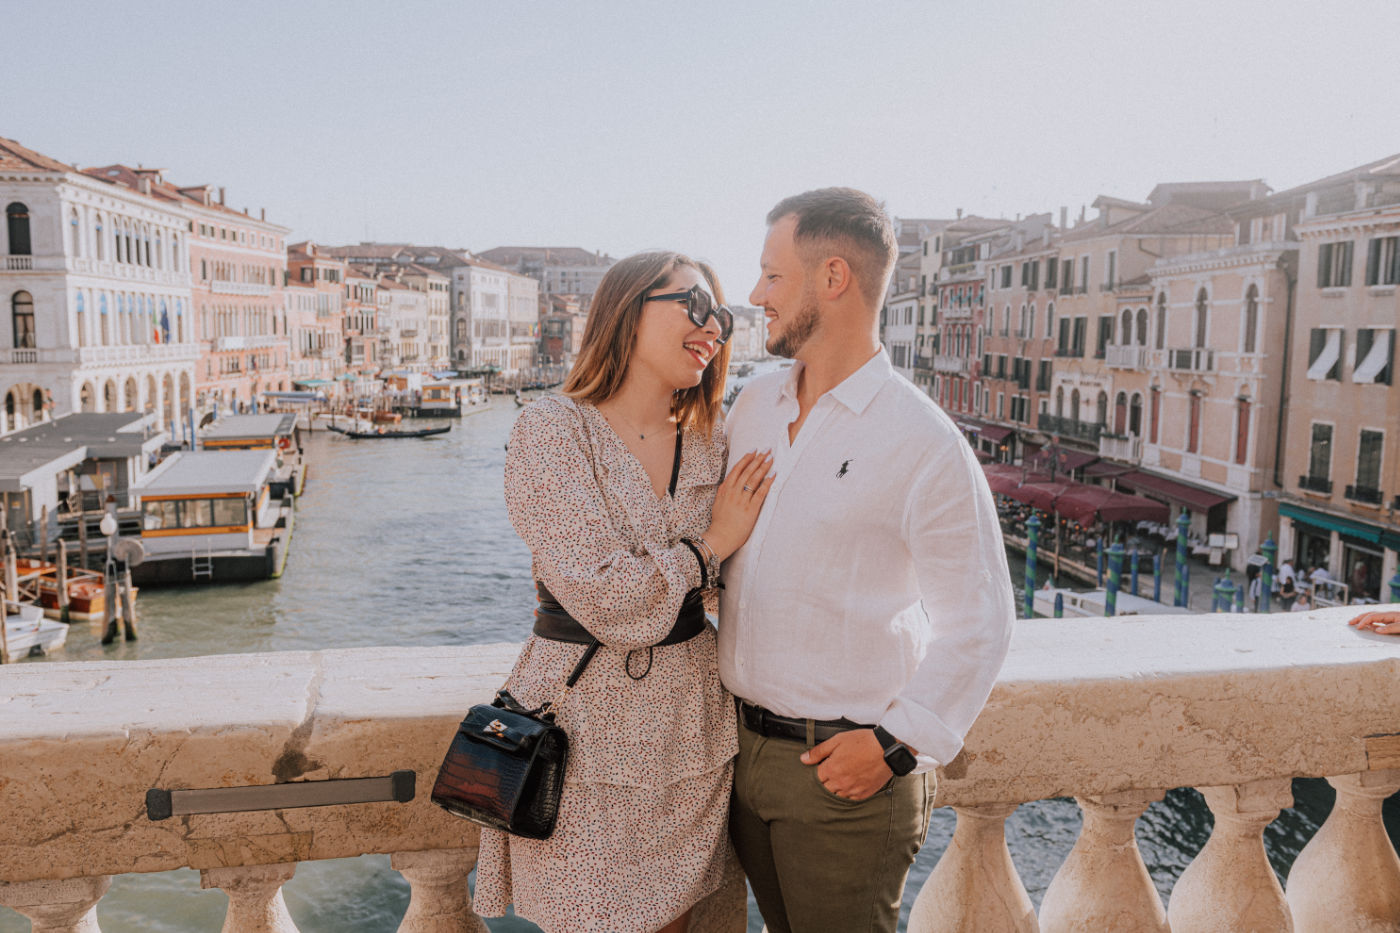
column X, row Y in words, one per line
column 553, row 621
column 770, row 724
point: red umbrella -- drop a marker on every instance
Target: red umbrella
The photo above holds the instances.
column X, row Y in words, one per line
column 1087, row 503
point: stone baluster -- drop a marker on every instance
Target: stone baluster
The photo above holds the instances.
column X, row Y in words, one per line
column 67, row 906
column 1230, row 886
column 1103, row 887
column 974, row 886
column 1347, row 878
column 255, row 903
column 440, row 901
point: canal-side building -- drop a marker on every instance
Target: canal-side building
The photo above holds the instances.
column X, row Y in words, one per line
column 898, row 317
column 237, row 273
column 962, row 287
column 318, row 322
column 361, row 321
column 561, row 331
column 560, row 270
column 496, row 314
column 95, row 278
column 1341, row 461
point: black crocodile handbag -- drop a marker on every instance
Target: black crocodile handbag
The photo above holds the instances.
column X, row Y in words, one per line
column 505, row 766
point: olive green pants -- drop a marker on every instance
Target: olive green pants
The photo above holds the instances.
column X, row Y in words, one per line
column 819, row 863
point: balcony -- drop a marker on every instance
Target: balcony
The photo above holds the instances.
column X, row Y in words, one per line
column 226, row 287
column 24, row 356
column 923, row 364
column 951, row 364
column 1124, row 357
column 140, row 353
column 409, row 333
column 1120, row 447
column 1132, row 715
column 1364, row 494
column 1068, row 427
column 249, row 343
column 1191, row 359
column 1318, row 484
column 19, row 263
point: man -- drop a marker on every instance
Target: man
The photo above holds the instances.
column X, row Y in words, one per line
column 1287, row 585
column 873, row 591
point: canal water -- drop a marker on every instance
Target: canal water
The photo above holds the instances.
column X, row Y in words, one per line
column 407, row 543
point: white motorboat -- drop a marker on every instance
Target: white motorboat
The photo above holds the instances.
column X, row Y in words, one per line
column 27, row 632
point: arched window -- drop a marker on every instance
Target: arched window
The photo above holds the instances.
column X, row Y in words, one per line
column 1125, row 329
column 1251, row 320
column 175, row 252
column 82, row 321
column 75, row 233
column 1060, row 402
column 38, row 399
column 1241, row 429
column 1162, row 321
column 1202, row 321
column 1030, row 321
column 1142, row 327
column 1135, row 415
column 99, row 249
column 180, row 320
column 1074, row 405
column 1120, row 413
column 160, row 257
column 130, row 257
column 22, row 317
column 1006, row 321
column 17, row 222
column 105, row 333
column 1101, row 409
column 1050, row 321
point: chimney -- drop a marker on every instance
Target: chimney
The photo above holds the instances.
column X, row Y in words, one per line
column 1045, row 236
column 221, row 194
column 960, row 213
column 144, row 183
column 1064, row 217
column 262, row 213
column 1082, row 211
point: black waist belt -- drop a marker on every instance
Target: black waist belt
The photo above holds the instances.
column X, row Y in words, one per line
column 553, row 621
column 770, row 724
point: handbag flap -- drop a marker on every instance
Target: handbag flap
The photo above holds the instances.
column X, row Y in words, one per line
column 510, row 732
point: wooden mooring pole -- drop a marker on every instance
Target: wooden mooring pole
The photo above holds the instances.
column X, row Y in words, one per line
column 128, row 604
column 62, row 577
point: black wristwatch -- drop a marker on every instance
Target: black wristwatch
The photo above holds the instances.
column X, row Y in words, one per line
column 899, row 758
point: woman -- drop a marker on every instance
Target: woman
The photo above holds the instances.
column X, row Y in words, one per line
column 616, row 489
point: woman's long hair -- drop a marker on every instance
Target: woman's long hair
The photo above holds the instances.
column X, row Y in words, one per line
column 610, row 337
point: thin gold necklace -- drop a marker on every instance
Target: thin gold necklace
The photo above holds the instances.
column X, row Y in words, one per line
column 640, row 433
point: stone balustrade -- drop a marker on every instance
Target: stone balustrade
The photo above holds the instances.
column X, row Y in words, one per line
column 1111, row 712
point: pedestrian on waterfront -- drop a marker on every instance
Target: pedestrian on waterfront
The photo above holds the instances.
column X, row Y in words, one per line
column 1303, row 603
column 1287, row 585
column 618, row 488
column 864, row 622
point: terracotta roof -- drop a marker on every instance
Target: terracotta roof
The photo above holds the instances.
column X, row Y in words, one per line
column 554, row 255
column 1170, row 219
column 16, row 158
column 187, row 195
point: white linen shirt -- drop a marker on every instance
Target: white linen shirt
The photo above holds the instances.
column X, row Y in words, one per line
column 874, row 585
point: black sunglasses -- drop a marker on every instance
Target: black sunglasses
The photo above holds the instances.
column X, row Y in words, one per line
column 700, row 307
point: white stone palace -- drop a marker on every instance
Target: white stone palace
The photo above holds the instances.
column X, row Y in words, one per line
column 96, row 281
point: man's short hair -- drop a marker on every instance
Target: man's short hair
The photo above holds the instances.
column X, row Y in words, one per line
column 847, row 223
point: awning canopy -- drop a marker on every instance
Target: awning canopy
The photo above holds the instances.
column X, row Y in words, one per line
column 1085, row 504
column 314, row 383
column 1347, row 526
column 987, row 432
column 1195, row 498
column 1107, row 468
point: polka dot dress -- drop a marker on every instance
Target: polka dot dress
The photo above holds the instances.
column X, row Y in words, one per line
column 642, row 831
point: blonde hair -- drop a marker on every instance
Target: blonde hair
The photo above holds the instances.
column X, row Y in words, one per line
column 610, row 337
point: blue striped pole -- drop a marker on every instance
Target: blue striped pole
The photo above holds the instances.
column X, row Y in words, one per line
column 1115, row 579
column 1032, row 547
column 1395, row 587
column 1133, row 561
column 1185, row 586
column 1157, row 576
column 1059, row 605
column 1239, row 597
column 1183, row 522
column 1098, row 559
column 1266, row 573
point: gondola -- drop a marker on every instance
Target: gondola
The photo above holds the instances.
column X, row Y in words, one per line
column 367, row 435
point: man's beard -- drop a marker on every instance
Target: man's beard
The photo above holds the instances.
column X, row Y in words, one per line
column 796, row 330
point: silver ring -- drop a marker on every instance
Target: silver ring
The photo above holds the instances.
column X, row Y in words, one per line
column 747, row 489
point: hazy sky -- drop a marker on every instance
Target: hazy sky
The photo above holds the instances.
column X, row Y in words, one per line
column 623, row 126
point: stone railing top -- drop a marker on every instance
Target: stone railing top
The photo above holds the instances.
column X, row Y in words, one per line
column 1083, row 706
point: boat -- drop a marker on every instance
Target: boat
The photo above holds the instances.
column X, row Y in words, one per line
column 212, row 517
column 1093, row 604
column 369, row 435
column 86, row 594
column 28, row 633
column 263, row 432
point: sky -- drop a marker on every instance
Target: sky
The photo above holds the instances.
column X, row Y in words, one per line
column 626, row 126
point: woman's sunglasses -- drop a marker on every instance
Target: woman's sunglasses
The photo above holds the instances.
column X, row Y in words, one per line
column 700, row 307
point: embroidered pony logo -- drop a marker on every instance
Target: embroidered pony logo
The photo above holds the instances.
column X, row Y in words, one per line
column 845, row 465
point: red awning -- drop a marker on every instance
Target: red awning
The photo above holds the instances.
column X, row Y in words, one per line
column 1085, row 504
column 1107, row 468
column 1043, row 496
column 1002, row 477
column 1065, row 460
column 1195, row 498
column 987, row 432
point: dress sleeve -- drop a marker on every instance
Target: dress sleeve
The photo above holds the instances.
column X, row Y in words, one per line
column 627, row 598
